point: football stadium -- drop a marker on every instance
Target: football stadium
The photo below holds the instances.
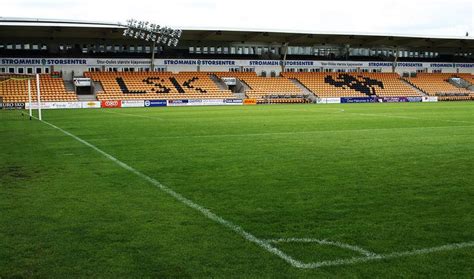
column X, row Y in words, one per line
column 136, row 150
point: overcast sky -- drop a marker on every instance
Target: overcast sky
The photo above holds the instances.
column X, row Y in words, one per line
column 413, row 17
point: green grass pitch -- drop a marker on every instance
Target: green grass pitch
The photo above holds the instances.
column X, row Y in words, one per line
column 328, row 186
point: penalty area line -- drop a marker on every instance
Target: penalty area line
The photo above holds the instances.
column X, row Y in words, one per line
column 403, row 254
column 325, row 242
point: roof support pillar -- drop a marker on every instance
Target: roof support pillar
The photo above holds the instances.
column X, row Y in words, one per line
column 394, row 66
column 285, row 52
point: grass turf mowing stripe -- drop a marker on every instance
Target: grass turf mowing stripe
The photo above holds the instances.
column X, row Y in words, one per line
column 133, row 115
column 409, row 117
column 300, row 133
column 204, row 211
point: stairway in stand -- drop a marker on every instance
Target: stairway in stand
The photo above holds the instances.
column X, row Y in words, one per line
column 305, row 90
column 86, row 98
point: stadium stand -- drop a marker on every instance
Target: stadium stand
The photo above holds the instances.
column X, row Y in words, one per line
column 328, row 85
column 437, row 84
column 318, row 83
column 469, row 79
column 393, row 86
column 157, row 85
column 15, row 89
column 299, row 70
column 267, row 89
column 284, row 89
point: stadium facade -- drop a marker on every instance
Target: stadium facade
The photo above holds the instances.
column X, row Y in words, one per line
column 304, row 66
column 75, row 47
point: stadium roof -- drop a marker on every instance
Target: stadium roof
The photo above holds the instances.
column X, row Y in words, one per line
column 21, row 29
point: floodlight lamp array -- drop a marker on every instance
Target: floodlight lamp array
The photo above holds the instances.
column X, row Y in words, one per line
column 150, row 32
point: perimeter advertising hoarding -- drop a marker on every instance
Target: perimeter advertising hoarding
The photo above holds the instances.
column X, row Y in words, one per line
column 213, row 102
column 430, row 99
column 17, row 105
column 394, row 99
column 250, row 102
column 414, row 99
column 55, row 105
column 205, row 102
column 133, row 104
column 348, row 100
column 90, row 105
column 328, row 100
column 155, row 103
column 178, row 103
column 234, row 102
column 111, row 104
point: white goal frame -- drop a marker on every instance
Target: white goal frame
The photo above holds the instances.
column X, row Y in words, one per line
column 38, row 93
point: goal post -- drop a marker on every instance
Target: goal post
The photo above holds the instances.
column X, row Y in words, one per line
column 38, row 97
column 29, row 99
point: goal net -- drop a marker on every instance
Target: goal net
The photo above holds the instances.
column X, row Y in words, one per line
column 20, row 96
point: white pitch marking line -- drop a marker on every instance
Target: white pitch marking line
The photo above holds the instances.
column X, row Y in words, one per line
column 447, row 247
column 325, row 242
column 204, row 211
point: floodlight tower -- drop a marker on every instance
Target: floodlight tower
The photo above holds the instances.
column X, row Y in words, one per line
column 154, row 33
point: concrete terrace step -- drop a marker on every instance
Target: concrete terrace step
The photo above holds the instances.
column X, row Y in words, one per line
column 69, row 85
column 304, row 89
column 86, row 98
column 220, row 84
column 98, row 86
